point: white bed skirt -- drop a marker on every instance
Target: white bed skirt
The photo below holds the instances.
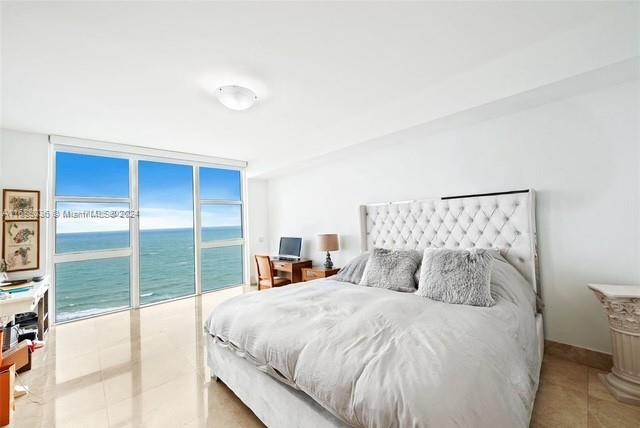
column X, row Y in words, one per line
column 274, row 403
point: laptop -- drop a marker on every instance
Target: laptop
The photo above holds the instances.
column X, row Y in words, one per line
column 289, row 249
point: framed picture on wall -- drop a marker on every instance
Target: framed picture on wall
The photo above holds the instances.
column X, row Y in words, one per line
column 20, row 204
column 21, row 244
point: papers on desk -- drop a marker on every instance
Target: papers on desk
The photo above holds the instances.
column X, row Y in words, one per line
column 16, row 288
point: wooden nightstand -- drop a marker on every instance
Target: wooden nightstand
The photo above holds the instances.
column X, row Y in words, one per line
column 317, row 272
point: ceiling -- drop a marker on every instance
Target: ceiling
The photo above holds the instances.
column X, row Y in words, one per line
column 328, row 75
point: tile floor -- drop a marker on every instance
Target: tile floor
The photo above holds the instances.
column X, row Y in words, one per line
column 571, row 395
column 147, row 368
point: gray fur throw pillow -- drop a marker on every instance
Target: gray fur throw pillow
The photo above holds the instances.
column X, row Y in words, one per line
column 457, row 276
column 391, row 269
column 352, row 271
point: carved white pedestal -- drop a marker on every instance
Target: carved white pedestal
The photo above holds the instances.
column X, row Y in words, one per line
column 622, row 305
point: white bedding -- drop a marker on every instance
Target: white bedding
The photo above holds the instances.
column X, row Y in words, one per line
column 381, row 358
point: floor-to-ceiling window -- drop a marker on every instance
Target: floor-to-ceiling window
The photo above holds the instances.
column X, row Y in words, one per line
column 92, row 235
column 130, row 230
column 221, row 232
column 167, row 259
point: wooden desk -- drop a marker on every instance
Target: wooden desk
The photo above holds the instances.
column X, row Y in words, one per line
column 291, row 269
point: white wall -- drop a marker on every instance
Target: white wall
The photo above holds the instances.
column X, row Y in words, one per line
column 258, row 222
column 579, row 153
column 24, row 165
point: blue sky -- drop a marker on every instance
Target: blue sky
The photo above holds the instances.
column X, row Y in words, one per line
column 82, row 175
column 165, row 192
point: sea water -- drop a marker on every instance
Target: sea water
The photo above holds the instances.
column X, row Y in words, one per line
column 167, row 269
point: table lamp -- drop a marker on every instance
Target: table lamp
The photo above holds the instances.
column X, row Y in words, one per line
column 328, row 242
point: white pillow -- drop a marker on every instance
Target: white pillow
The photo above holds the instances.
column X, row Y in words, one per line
column 352, row 271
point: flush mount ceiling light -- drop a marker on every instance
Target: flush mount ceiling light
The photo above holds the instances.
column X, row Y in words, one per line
column 236, row 97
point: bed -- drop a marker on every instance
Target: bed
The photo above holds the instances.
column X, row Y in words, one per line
column 328, row 353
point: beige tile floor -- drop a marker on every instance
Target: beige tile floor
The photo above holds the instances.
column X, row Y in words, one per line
column 571, row 395
column 147, row 368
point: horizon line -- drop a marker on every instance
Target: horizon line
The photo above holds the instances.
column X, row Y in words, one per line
column 148, row 229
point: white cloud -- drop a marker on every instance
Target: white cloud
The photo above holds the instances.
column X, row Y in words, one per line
column 150, row 218
column 76, row 217
column 160, row 218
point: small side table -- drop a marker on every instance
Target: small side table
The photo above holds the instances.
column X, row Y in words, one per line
column 622, row 305
column 311, row 273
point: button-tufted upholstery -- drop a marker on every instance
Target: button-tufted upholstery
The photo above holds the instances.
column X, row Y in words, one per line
column 506, row 222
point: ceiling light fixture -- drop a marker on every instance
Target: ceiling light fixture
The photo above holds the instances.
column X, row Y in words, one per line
column 236, row 97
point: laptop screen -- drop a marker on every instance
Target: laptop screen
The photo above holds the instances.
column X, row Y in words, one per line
column 290, row 247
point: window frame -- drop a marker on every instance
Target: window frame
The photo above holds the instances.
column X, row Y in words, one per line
column 135, row 154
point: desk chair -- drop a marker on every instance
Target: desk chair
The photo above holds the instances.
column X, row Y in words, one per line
column 266, row 278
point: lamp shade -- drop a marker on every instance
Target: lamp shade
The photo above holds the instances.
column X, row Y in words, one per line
column 328, row 242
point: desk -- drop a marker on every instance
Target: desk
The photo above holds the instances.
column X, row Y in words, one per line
column 28, row 301
column 291, row 269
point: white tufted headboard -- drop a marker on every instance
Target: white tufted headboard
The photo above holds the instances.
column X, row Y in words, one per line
column 504, row 220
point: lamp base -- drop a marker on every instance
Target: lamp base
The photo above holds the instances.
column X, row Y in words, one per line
column 328, row 264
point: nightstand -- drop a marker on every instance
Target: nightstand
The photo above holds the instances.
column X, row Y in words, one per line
column 311, row 273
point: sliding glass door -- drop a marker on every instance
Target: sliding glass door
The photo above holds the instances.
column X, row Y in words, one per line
column 167, row 262
column 130, row 231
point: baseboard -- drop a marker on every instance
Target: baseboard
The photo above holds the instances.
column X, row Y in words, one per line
column 587, row 357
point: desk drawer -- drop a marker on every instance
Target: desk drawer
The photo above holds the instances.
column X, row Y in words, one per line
column 282, row 266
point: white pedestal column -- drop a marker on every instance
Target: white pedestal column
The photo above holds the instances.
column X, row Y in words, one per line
column 622, row 306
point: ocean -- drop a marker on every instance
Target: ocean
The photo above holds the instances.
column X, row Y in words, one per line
column 166, row 269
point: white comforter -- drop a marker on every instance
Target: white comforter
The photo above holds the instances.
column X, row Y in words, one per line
column 380, row 358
